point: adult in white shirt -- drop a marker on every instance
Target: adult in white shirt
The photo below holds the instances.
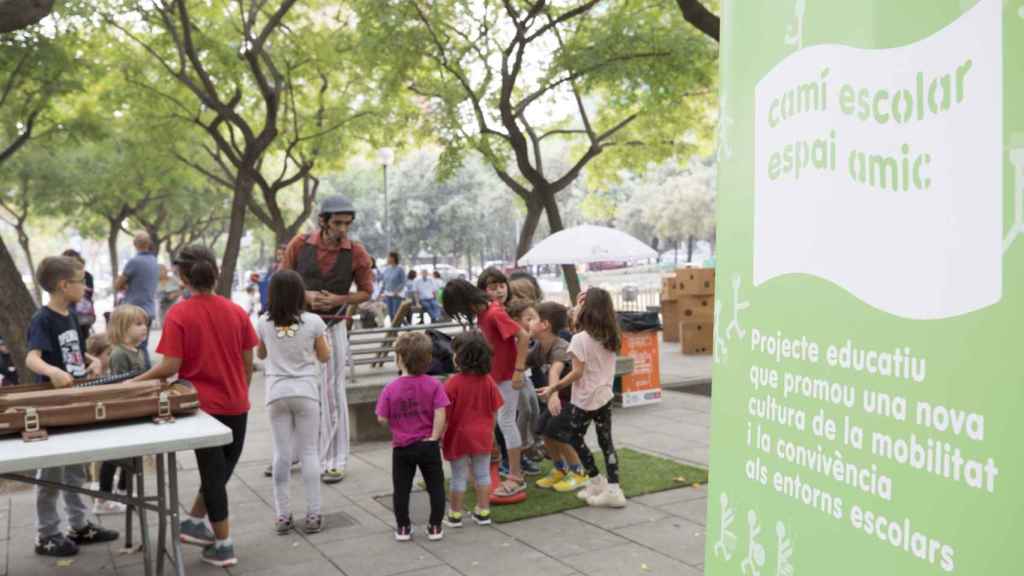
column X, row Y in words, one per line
column 425, row 292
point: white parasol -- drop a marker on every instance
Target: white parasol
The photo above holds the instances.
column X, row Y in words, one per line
column 585, row 244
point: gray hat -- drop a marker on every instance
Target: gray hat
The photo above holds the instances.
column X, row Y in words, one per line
column 336, row 205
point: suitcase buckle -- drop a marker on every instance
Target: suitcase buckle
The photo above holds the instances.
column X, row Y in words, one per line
column 101, row 411
column 31, row 420
column 32, row 431
column 163, row 413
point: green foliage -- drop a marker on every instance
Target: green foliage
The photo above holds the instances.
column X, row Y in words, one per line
column 623, row 58
column 468, row 215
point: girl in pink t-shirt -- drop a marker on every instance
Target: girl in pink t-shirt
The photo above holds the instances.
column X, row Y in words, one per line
column 593, row 350
column 413, row 407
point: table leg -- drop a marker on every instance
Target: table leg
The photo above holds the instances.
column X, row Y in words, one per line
column 146, row 545
column 129, row 486
column 172, row 478
column 161, row 497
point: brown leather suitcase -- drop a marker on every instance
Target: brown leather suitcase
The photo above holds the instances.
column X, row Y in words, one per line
column 32, row 408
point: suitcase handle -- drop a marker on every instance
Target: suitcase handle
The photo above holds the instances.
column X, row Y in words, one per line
column 101, row 411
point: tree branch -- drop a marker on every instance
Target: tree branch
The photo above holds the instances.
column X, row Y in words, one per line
column 22, row 138
column 700, row 17
column 563, row 17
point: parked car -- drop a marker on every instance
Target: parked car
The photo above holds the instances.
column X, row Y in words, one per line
column 606, row 265
column 449, row 272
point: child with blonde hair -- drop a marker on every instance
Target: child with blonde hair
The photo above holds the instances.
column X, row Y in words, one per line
column 98, row 346
column 128, row 327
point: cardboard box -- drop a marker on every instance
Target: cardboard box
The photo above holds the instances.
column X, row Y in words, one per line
column 697, row 337
column 670, row 317
column 694, row 282
column 691, row 308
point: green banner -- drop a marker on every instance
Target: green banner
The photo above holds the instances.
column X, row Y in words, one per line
column 867, row 380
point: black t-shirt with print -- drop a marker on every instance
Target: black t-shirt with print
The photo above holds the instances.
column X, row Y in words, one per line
column 56, row 336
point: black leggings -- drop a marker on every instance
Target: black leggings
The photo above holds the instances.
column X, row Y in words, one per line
column 602, row 417
column 404, row 461
column 216, row 465
column 107, row 470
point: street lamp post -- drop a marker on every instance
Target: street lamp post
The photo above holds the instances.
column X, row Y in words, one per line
column 386, row 156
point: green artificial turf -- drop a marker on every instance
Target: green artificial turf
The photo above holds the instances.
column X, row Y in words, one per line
column 639, row 473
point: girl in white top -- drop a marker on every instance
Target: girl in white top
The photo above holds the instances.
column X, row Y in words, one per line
column 593, row 350
column 291, row 342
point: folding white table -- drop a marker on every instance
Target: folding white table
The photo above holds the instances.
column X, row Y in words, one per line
column 123, row 441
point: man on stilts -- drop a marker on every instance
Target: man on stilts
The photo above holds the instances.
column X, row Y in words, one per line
column 329, row 262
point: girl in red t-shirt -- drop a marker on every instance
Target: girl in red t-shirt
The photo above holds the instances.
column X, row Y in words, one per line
column 475, row 399
column 208, row 340
column 509, row 344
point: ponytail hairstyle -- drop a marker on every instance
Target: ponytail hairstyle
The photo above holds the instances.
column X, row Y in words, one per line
column 287, row 298
column 524, row 286
column 597, row 318
column 198, row 267
column 462, row 300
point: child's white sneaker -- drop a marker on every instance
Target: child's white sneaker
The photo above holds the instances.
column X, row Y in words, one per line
column 610, row 497
column 101, row 507
column 596, row 486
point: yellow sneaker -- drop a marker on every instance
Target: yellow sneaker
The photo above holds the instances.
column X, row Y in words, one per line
column 571, row 482
column 553, row 477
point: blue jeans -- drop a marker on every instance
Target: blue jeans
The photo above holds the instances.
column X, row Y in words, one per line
column 431, row 307
column 393, row 302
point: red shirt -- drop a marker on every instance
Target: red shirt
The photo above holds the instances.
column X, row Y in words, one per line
column 474, row 400
column 209, row 334
column 500, row 331
column 326, row 255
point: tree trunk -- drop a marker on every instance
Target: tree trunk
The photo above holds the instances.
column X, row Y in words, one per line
column 534, row 210
column 23, row 241
column 236, row 228
column 112, row 233
column 689, row 248
column 572, row 280
column 283, row 236
column 16, row 313
column 18, row 14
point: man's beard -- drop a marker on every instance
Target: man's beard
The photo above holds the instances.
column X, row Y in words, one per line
column 332, row 236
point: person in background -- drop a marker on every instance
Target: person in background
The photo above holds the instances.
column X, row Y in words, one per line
column 439, row 283
column 393, row 284
column 98, row 346
column 85, row 309
column 139, row 280
column 426, row 295
column 264, row 284
column 169, row 289
column 331, row 264
column 409, row 294
column 8, row 371
column 524, row 286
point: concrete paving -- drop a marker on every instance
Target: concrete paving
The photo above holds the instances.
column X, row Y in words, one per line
column 656, row 534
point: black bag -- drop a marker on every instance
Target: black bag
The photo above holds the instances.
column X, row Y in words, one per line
column 443, row 361
column 638, row 321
